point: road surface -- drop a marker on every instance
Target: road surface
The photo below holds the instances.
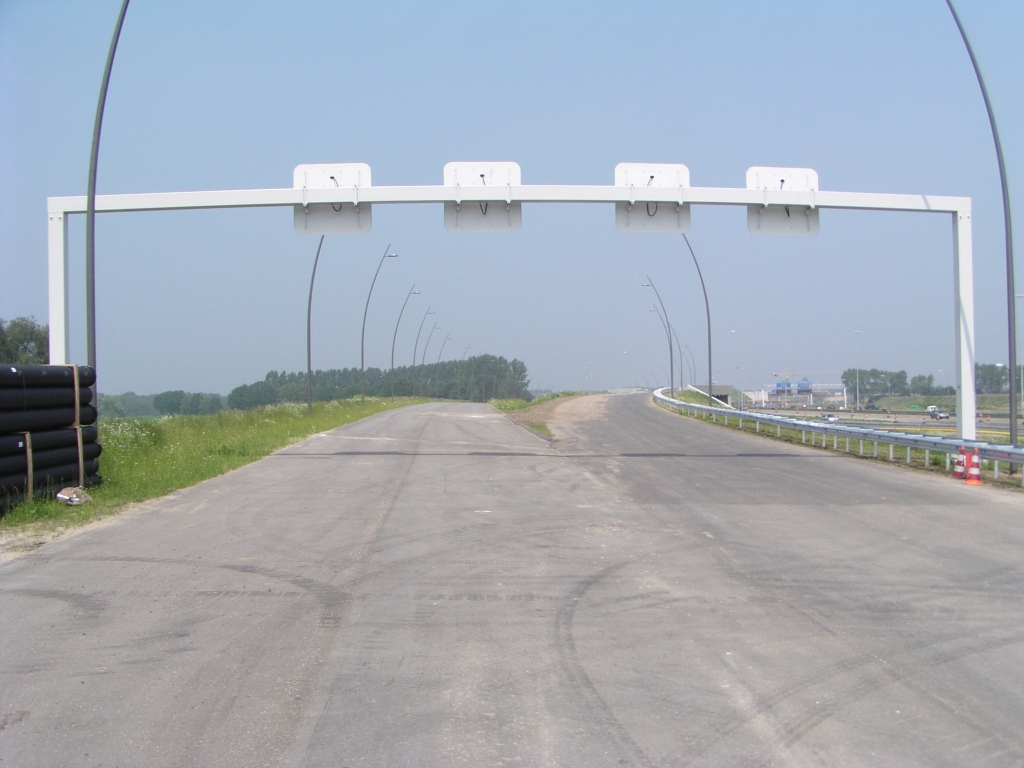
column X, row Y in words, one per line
column 438, row 586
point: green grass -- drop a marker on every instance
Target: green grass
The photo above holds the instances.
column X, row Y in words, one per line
column 514, row 404
column 689, row 396
column 542, row 429
column 147, row 458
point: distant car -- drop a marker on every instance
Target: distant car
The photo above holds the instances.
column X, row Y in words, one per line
column 830, row 417
column 938, row 414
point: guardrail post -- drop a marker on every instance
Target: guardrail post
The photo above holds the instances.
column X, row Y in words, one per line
column 861, row 447
column 910, row 452
column 757, row 426
column 803, row 436
column 927, row 458
column 947, row 462
column 778, row 430
column 835, row 442
column 847, row 445
column 891, row 453
column 876, row 450
column 996, row 472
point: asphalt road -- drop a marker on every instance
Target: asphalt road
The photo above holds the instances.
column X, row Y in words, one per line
column 437, row 586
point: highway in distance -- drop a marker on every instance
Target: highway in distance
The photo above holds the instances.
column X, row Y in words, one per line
column 439, row 586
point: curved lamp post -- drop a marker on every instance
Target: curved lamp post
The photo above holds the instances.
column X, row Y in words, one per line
column 446, row 338
column 707, row 308
column 424, row 358
column 1011, row 310
column 309, row 347
column 690, row 362
column 672, row 335
column 90, row 200
column 417, row 346
column 679, row 349
column 668, row 332
column 427, row 343
column 412, row 292
column 362, row 338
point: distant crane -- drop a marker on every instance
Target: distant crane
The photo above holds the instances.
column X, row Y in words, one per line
column 787, row 374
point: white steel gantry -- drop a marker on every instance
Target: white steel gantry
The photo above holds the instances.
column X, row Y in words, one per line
column 774, row 203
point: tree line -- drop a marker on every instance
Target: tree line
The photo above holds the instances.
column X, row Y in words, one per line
column 23, row 341
column 477, row 379
column 989, row 379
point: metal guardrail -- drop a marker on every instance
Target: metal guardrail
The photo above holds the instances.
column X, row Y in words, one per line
column 996, row 452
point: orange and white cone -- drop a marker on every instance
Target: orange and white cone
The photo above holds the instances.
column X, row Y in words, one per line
column 960, row 467
column 974, row 473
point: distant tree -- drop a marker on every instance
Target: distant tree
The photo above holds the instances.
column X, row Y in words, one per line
column 922, row 385
column 249, row 396
column 478, row 378
column 991, row 379
column 23, row 341
column 169, row 403
column 876, row 383
column 211, row 404
column 110, row 407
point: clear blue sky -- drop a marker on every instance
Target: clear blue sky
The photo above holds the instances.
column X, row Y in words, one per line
column 876, row 96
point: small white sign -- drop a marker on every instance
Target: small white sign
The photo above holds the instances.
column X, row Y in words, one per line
column 659, row 216
column 799, row 220
column 483, row 216
column 336, row 219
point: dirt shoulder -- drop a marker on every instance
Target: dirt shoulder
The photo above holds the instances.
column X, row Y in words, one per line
column 559, row 415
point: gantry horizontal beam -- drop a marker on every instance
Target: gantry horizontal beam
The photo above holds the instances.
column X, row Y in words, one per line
column 535, row 193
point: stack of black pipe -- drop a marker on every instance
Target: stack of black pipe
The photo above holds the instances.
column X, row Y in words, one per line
column 39, row 411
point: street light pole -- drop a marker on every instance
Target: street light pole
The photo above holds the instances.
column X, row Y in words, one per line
column 362, row 337
column 668, row 332
column 426, row 388
column 679, row 349
column 417, row 346
column 690, row 362
column 857, row 404
column 309, row 322
column 412, row 292
column 426, row 344
column 90, row 200
column 1020, row 373
column 707, row 308
column 1011, row 309
column 446, row 338
column 739, row 375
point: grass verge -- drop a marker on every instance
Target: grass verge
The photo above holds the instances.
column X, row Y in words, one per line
column 515, row 404
column 147, row 458
column 912, row 458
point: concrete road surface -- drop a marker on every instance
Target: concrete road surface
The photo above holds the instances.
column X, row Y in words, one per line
column 437, row 586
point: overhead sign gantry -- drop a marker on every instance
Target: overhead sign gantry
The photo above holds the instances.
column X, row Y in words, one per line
column 338, row 198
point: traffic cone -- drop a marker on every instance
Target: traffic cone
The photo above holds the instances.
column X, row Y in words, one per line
column 960, row 467
column 974, row 473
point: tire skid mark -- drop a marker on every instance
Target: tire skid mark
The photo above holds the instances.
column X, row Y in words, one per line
column 795, row 730
column 593, row 704
column 356, row 572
